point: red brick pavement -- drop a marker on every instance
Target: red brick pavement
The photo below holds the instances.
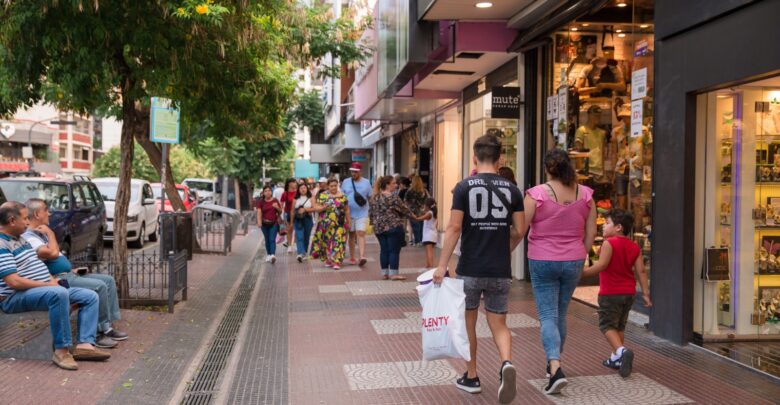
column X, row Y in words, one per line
column 330, row 330
column 37, row 382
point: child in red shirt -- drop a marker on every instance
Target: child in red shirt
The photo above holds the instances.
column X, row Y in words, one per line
column 618, row 259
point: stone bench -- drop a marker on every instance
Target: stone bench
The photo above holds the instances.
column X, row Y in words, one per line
column 27, row 335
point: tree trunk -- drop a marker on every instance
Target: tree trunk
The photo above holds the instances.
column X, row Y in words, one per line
column 155, row 156
column 129, row 118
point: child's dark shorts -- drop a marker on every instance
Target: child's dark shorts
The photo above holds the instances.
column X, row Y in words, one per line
column 613, row 311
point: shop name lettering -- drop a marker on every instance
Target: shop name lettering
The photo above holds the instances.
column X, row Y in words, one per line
column 506, row 101
column 435, row 322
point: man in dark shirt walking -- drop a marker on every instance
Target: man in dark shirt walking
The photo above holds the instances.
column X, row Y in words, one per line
column 484, row 209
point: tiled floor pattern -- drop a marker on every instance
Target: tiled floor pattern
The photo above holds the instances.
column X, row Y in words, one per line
column 371, row 287
column 357, row 342
column 411, row 324
column 612, row 389
column 371, row 376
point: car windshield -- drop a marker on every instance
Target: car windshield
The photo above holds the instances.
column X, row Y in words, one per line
column 156, row 190
column 55, row 195
column 108, row 191
column 200, row 185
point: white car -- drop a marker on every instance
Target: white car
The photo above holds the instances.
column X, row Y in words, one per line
column 142, row 214
column 206, row 188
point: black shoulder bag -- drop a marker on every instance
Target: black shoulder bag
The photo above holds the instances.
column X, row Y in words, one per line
column 359, row 199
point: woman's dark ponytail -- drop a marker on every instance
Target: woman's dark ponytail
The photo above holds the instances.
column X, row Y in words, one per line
column 559, row 167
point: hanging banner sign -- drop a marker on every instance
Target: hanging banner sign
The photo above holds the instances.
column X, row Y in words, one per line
column 636, row 118
column 552, row 108
column 360, row 155
column 164, row 121
column 716, row 264
column 639, row 83
column 505, row 102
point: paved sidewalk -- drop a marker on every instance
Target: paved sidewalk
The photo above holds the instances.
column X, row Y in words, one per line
column 355, row 339
column 147, row 368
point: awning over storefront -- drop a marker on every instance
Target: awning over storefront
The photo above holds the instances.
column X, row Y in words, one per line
column 550, row 20
column 39, row 136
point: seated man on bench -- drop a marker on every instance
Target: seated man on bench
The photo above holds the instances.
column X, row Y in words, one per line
column 25, row 285
column 44, row 243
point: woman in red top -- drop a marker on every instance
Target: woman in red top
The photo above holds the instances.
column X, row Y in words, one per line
column 288, row 203
column 268, row 209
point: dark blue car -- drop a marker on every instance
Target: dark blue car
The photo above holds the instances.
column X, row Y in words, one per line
column 78, row 214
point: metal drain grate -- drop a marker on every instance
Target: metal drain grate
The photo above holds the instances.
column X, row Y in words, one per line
column 205, row 384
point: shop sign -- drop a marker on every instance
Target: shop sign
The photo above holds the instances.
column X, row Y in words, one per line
column 639, row 83
column 563, row 99
column 642, row 47
column 359, row 155
column 636, row 118
column 505, row 102
column 552, row 108
column 716, row 264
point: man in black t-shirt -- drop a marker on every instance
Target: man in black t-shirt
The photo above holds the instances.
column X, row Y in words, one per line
column 484, row 209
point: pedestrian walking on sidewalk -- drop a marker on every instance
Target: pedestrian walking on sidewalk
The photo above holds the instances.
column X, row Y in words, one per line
column 430, row 230
column 358, row 192
column 415, row 199
column 618, row 258
column 562, row 218
column 268, row 210
column 388, row 214
column 484, row 208
column 330, row 240
column 303, row 221
column 288, row 203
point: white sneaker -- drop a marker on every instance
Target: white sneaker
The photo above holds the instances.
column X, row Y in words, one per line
column 268, row 258
column 273, row 259
column 300, row 259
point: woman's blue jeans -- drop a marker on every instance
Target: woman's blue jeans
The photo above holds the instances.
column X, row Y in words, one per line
column 417, row 230
column 303, row 233
column 269, row 234
column 553, row 285
column 390, row 250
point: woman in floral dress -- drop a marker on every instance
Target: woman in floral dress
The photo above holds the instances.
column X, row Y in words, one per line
column 330, row 239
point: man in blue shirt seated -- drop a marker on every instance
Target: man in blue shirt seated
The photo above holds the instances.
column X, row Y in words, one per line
column 44, row 243
column 25, row 285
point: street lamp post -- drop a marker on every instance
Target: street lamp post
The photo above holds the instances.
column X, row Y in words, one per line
column 29, row 137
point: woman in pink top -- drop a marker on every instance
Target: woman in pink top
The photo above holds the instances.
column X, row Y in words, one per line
column 562, row 218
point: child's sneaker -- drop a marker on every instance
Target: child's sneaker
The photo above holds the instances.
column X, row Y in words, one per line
column 508, row 387
column 469, row 384
column 613, row 364
column 626, row 363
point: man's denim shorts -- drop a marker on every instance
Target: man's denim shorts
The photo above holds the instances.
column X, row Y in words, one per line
column 495, row 291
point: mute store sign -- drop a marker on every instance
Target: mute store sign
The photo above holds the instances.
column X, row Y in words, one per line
column 505, row 102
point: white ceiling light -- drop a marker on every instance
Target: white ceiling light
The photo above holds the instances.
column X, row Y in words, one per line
column 574, row 28
column 622, row 4
column 586, row 25
column 622, row 35
column 618, row 31
column 484, row 4
column 644, row 26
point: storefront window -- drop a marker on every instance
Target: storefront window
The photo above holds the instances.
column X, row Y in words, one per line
column 599, row 87
column 478, row 122
column 741, row 127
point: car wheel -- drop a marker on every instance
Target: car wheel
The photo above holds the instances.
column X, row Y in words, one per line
column 153, row 236
column 141, row 237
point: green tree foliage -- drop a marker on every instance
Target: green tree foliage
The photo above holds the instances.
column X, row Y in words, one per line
column 228, row 64
column 308, row 112
column 182, row 163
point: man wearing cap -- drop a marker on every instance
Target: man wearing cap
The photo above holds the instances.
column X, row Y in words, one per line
column 358, row 191
column 592, row 138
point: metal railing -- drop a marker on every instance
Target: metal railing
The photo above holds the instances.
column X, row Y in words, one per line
column 214, row 227
column 151, row 279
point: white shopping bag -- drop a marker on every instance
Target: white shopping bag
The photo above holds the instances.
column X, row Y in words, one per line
column 444, row 320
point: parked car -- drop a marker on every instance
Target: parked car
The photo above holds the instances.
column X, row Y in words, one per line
column 187, row 195
column 142, row 213
column 78, row 213
column 206, row 188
